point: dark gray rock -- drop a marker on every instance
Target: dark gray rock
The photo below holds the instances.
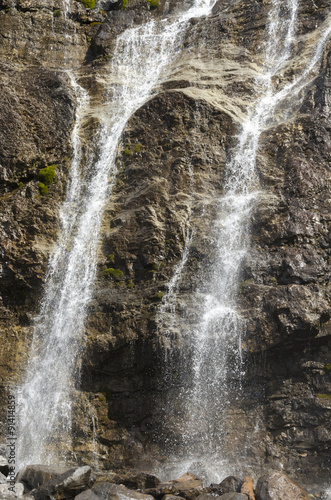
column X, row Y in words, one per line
column 277, row 486
column 110, row 491
column 230, row 484
column 69, row 484
column 207, row 496
column 234, row 496
column 87, row 495
column 33, row 476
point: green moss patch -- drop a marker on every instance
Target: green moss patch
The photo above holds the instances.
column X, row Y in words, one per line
column 154, row 4
column 89, row 4
column 324, row 396
column 47, row 175
column 42, row 189
column 327, row 368
column 114, row 273
column 111, row 257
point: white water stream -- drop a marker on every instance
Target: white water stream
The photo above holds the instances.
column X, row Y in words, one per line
column 216, row 342
column 45, row 397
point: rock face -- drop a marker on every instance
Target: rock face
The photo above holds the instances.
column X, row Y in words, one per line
column 171, row 173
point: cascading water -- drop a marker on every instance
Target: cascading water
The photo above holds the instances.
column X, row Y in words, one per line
column 215, row 345
column 45, row 397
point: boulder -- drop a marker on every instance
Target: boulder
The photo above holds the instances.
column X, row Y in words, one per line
column 87, row 495
column 207, row 496
column 79, row 480
column 189, row 486
column 67, row 485
column 277, row 486
column 172, row 497
column 33, row 476
column 16, row 491
column 111, row 491
column 135, row 481
column 248, row 487
column 234, row 496
column 231, row 484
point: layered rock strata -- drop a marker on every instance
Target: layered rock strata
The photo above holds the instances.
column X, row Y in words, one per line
column 171, row 171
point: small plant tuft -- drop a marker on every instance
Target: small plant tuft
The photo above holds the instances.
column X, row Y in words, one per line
column 114, row 273
column 57, row 13
column 47, row 175
column 119, row 283
column 124, row 4
column 154, row 4
column 327, row 368
column 138, row 148
column 324, row 396
column 42, row 189
column 160, row 295
column 88, row 4
column 111, row 257
column 127, row 152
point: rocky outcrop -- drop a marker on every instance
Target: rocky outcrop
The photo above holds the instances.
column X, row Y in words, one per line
column 80, row 484
column 171, row 173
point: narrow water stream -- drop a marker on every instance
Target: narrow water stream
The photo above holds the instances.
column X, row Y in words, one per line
column 45, row 397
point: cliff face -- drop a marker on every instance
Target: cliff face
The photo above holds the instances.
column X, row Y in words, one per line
column 171, row 168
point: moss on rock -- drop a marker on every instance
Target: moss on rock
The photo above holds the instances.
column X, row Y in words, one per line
column 42, row 188
column 114, row 273
column 47, row 175
column 88, row 4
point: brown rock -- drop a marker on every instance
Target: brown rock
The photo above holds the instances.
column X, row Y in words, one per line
column 189, row 486
column 248, row 487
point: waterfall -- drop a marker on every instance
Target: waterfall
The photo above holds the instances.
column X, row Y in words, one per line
column 215, row 344
column 45, row 396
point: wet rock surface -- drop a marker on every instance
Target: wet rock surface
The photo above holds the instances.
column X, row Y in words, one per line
column 270, row 486
column 171, row 171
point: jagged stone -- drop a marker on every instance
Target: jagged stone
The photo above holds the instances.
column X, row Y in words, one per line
column 87, row 495
column 135, row 481
column 205, row 496
column 33, row 476
column 188, row 486
column 173, row 497
column 231, row 484
column 110, row 491
column 234, row 496
column 277, row 486
column 247, row 488
column 68, row 484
